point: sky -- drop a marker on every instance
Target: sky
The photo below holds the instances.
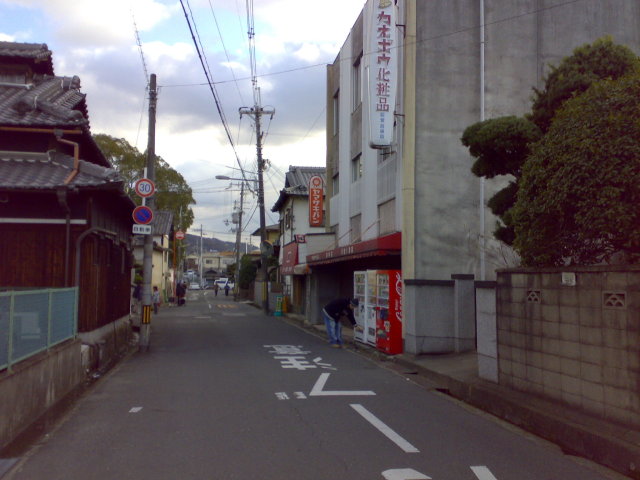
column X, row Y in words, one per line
column 293, row 42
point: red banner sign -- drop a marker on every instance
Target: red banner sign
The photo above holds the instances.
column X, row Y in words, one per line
column 316, row 198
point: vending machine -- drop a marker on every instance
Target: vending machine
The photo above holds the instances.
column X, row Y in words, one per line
column 389, row 311
column 365, row 290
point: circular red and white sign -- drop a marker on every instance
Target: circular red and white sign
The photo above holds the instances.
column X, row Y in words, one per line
column 145, row 187
column 142, row 215
column 179, row 235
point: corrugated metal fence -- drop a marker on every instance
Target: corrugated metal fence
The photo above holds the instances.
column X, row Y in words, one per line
column 32, row 321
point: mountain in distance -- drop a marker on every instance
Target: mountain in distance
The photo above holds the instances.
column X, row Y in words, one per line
column 211, row 245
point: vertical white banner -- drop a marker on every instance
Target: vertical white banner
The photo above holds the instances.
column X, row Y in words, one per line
column 382, row 77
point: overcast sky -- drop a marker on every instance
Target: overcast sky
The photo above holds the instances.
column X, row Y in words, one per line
column 294, row 40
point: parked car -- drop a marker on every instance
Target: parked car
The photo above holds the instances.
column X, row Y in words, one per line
column 221, row 282
column 194, row 286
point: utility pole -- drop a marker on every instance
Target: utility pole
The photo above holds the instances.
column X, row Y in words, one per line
column 147, row 264
column 256, row 112
column 236, row 287
column 200, row 269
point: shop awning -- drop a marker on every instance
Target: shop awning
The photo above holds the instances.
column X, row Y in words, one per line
column 387, row 245
column 301, row 269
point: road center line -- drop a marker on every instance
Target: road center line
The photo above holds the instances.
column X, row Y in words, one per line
column 384, row 429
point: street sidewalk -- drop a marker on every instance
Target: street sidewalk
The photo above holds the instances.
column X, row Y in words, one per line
column 577, row 433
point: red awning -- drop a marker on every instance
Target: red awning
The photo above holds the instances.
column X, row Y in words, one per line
column 387, row 245
column 289, row 258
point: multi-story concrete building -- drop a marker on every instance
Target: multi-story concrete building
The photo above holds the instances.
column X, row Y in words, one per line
column 410, row 77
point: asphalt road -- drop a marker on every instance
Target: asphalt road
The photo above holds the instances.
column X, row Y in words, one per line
column 227, row 393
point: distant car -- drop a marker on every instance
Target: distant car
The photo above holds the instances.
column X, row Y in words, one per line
column 231, row 284
column 221, row 282
column 194, row 286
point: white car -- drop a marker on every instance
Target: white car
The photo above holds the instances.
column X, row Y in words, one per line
column 194, row 286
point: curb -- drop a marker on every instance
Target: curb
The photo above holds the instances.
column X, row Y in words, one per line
column 599, row 441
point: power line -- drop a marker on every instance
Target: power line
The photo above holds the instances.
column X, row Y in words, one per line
column 210, row 83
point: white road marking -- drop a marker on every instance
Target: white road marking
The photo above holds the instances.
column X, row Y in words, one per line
column 317, row 390
column 300, row 395
column 384, row 429
column 404, row 474
column 135, row 409
column 282, row 396
column 483, row 473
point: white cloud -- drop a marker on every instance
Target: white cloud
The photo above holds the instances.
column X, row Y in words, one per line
column 96, row 41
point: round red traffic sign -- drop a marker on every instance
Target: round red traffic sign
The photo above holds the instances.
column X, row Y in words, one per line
column 142, row 215
column 145, row 187
column 179, row 235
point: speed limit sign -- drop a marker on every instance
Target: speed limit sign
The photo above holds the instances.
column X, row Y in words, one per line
column 145, row 187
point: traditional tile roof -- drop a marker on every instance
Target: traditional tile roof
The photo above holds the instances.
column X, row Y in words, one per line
column 297, row 183
column 50, row 101
column 162, row 222
column 42, row 171
column 37, row 55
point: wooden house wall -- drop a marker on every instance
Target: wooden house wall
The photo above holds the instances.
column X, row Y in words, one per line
column 33, row 257
column 105, row 282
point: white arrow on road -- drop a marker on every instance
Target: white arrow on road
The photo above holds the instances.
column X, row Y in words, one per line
column 317, row 390
column 483, row 473
column 404, row 474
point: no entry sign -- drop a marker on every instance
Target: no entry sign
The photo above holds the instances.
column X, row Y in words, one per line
column 179, row 235
column 142, row 215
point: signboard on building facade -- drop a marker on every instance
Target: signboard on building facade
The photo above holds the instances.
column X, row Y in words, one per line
column 383, row 72
column 316, row 198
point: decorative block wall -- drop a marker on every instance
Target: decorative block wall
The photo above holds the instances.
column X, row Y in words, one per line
column 572, row 335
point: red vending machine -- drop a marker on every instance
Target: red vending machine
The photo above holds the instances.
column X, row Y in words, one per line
column 389, row 311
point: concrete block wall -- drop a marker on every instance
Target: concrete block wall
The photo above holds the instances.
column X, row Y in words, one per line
column 572, row 335
column 35, row 385
column 439, row 315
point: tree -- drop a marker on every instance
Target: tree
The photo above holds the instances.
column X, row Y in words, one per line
column 502, row 145
column 248, row 271
column 580, row 188
column 172, row 191
column 589, row 63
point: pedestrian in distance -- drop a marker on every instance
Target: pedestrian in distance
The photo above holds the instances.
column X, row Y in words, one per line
column 137, row 297
column 226, row 289
column 180, row 291
column 216, row 287
column 155, row 299
column 332, row 314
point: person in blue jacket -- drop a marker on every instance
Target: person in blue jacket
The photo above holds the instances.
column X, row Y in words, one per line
column 333, row 312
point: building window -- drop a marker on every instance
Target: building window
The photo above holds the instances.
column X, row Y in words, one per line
column 335, row 185
column 356, row 168
column 336, row 113
column 356, row 83
column 356, row 228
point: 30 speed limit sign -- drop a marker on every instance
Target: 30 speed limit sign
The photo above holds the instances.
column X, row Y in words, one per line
column 145, row 187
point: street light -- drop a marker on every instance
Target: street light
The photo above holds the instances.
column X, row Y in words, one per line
column 263, row 237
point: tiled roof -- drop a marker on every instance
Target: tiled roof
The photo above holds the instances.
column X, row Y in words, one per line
column 297, row 183
column 51, row 101
column 162, row 222
column 37, row 54
column 19, row 170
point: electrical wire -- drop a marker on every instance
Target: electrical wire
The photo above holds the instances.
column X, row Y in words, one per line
column 211, row 85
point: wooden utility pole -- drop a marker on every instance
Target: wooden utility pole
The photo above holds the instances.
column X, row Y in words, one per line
column 256, row 112
column 147, row 264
